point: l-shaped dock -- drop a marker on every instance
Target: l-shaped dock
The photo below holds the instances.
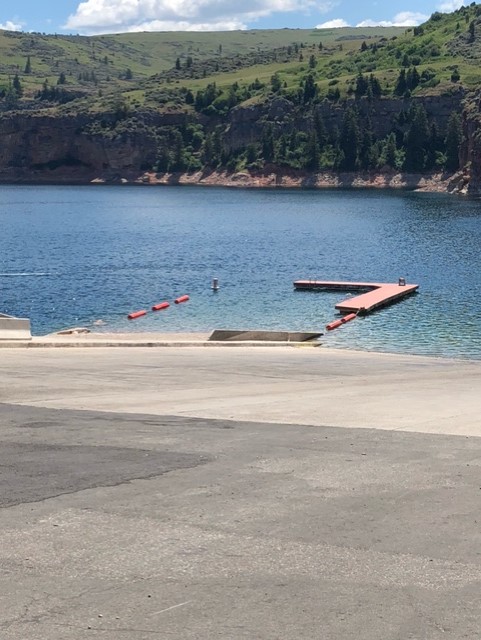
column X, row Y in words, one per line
column 374, row 294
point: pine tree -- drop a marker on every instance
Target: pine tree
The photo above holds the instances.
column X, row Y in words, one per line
column 208, row 151
column 412, row 78
column 293, row 142
column 320, row 129
column 217, row 144
column 252, row 153
column 361, row 86
column 275, row 83
column 163, row 160
column 312, row 153
column 28, row 66
column 281, row 151
column 375, row 86
column 177, row 145
column 417, row 140
column 17, row 86
column 310, row 89
column 350, row 140
column 268, row 143
column 334, row 94
column 365, row 153
column 401, row 86
column 368, row 152
column 454, row 136
column 471, row 30
column 455, row 76
column 390, row 152
column 11, row 97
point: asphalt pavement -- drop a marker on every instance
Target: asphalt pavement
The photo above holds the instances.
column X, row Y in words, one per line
column 127, row 524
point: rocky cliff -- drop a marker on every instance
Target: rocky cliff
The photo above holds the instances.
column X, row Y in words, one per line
column 84, row 147
column 48, row 148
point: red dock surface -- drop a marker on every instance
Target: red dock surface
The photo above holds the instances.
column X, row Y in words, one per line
column 375, row 296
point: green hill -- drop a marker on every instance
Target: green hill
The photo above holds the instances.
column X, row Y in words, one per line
column 116, row 63
column 150, row 68
column 444, row 51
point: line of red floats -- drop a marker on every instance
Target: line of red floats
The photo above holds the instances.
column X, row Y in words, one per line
column 165, row 305
column 156, row 307
column 337, row 323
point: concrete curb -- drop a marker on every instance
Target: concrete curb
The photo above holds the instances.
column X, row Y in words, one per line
column 38, row 344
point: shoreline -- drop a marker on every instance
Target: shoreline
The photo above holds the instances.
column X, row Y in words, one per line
column 429, row 183
column 270, row 178
column 168, row 340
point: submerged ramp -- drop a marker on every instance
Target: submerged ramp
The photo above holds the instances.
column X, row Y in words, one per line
column 375, row 294
column 224, row 335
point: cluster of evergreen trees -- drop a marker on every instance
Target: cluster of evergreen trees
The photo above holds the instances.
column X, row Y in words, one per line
column 11, row 93
column 413, row 145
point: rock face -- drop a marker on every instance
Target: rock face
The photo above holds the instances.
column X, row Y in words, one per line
column 85, row 147
column 61, row 149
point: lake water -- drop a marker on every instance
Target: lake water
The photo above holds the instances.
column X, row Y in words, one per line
column 73, row 255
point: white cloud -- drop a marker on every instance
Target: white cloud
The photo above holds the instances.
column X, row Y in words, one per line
column 403, row 19
column 9, row 25
column 107, row 16
column 338, row 23
column 451, row 5
column 162, row 25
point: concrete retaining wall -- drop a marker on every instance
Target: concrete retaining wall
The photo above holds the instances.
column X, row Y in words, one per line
column 14, row 328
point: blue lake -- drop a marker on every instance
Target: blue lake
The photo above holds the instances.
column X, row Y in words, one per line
column 72, row 255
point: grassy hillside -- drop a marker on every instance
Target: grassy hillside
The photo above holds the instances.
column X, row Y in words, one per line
column 121, row 62
column 158, row 70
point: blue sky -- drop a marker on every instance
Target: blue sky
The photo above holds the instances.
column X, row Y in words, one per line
column 113, row 16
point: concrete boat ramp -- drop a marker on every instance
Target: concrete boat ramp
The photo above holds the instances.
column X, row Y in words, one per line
column 374, row 295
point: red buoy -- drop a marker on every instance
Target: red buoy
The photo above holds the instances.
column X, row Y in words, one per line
column 333, row 325
column 341, row 321
column 137, row 314
column 181, row 299
column 160, row 306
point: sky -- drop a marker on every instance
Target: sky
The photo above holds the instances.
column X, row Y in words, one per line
column 114, row 16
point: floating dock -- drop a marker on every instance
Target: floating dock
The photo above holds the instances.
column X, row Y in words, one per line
column 374, row 294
